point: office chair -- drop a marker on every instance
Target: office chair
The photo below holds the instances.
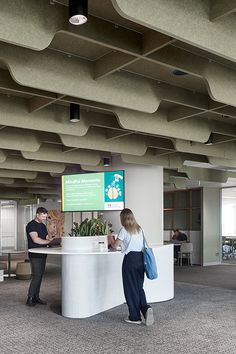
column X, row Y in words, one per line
column 186, row 251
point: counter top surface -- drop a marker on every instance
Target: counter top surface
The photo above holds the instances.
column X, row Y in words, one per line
column 58, row 250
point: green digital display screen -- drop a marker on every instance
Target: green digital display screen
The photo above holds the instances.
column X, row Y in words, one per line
column 93, row 191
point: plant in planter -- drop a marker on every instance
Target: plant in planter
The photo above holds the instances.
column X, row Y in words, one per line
column 92, row 227
column 90, row 235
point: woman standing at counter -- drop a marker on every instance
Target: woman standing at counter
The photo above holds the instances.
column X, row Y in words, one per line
column 130, row 238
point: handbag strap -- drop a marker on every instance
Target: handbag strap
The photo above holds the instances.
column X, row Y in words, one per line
column 144, row 240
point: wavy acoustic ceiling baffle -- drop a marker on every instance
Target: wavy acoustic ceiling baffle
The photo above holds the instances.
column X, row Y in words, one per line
column 154, row 79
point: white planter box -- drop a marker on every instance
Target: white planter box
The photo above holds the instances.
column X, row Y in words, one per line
column 85, row 243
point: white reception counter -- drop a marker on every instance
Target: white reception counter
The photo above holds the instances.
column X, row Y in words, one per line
column 92, row 281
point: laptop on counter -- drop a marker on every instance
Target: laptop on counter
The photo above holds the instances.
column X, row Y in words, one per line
column 56, row 241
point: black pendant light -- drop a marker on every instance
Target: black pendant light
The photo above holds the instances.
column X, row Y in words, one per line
column 78, row 12
column 106, row 161
column 74, row 112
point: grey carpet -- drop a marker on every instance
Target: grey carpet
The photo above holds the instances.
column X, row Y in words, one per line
column 200, row 319
column 222, row 276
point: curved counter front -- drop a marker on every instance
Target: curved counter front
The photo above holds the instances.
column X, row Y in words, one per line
column 92, row 281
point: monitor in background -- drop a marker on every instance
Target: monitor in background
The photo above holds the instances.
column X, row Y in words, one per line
column 96, row 191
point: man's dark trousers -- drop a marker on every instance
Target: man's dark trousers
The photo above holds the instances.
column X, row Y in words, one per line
column 38, row 268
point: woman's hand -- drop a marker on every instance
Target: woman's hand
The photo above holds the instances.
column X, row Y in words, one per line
column 111, row 240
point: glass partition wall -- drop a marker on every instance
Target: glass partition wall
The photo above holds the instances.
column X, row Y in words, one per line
column 228, row 225
column 183, row 210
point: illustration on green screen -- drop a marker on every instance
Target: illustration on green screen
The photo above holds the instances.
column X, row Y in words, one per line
column 114, row 190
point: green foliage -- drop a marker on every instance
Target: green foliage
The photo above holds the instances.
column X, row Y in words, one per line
column 90, row 227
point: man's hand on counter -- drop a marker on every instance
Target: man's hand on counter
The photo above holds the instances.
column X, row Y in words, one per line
column 56, row 241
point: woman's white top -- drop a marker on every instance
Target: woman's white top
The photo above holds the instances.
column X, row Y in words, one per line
column 130, row 242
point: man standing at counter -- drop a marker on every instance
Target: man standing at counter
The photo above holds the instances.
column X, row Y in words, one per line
column 37, row 236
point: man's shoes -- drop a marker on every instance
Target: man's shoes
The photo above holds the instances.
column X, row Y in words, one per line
column 39, row 301
column 133, row 322
column 31, row 301
column 149, row 319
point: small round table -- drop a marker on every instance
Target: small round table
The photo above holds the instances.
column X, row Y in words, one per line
column 9, row 252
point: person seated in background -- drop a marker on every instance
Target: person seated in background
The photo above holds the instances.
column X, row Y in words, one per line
column 178, row 237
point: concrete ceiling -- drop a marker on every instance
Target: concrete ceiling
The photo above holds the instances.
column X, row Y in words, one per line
column 121, row 68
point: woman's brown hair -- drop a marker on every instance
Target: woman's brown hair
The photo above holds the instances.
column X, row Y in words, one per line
column 128, row 221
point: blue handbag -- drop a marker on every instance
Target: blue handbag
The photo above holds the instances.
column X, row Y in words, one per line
column 150, row 265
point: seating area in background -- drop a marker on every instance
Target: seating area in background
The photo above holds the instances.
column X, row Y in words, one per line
column 186, row 252
column 15, row 259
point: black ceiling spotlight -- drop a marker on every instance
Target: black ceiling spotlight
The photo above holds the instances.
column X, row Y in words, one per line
column 210, row 140
column 78, row 12
column 106, row 161
column 74, row 112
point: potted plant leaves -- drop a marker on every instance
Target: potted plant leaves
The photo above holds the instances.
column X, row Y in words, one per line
column 89, row 235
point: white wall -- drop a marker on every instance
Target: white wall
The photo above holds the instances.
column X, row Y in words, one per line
column 144, row 196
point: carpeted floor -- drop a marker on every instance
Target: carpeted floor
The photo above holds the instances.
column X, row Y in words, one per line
column 223, row 276
column 200, row 319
